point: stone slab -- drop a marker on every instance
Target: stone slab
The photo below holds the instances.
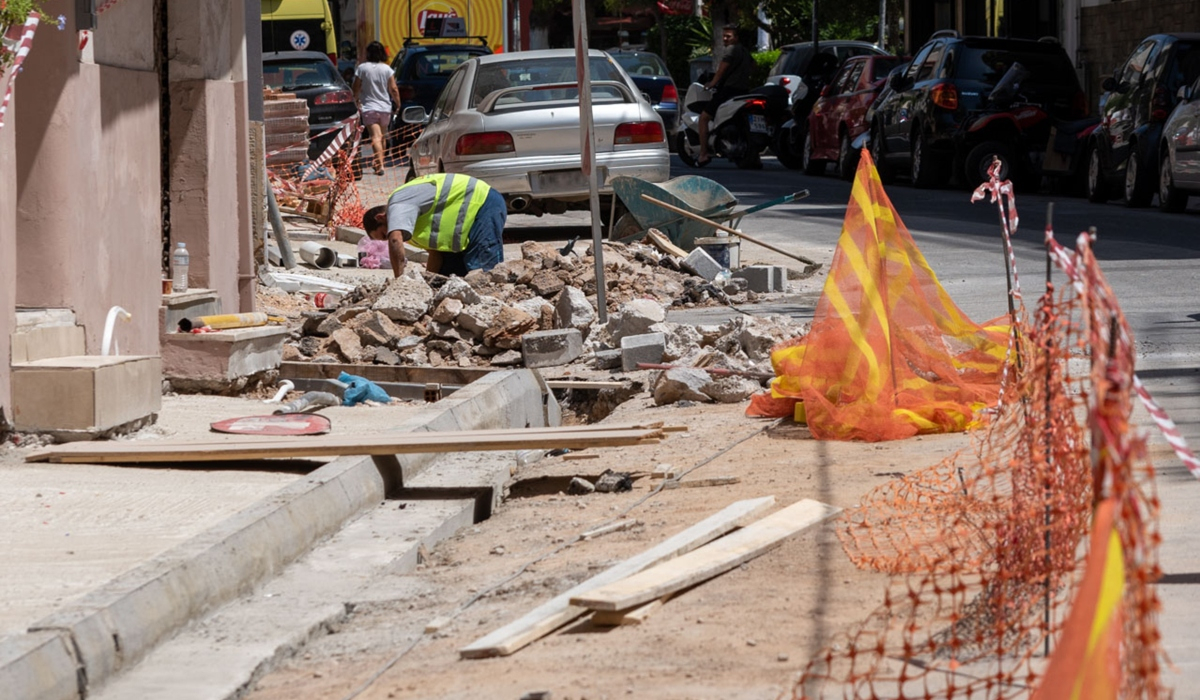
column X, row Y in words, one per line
column 87, row 393
column 225, row 355
column 551, row 348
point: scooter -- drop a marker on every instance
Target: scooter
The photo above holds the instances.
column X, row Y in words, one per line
column 739, row 131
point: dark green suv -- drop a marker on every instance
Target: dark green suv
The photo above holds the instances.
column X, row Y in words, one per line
column 917, row 124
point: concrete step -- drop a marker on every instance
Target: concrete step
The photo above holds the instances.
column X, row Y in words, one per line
column 80, row 397
column 222, row 357
column 193, row 302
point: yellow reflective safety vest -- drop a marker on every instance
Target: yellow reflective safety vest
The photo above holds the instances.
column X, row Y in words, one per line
column 444, row 227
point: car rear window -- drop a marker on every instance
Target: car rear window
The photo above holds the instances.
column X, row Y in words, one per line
column 298, row 75
column 546, row 71
column 791, row 59
column 642, row 64
column 988, row 64
column 882, row 66
column 1186, row 68
column 437, row 64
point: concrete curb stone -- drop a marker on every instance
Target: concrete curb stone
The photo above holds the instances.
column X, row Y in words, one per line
column 117, row 624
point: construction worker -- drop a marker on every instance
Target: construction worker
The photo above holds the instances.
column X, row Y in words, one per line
column 457, row 218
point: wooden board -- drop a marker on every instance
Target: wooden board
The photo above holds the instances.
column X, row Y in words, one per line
column 636, row 616
column 558, row 611
column 327, row 446
column 706, row 562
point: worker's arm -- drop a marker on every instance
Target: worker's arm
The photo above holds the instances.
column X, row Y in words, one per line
column 396, row 252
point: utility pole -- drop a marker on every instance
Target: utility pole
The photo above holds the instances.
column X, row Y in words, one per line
column 883, row 24
column 814, row 27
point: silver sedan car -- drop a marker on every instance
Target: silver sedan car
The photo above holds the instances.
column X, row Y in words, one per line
column 512, row 120
column 1179, row 166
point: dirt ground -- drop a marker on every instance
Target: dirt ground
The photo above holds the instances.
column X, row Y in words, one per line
column 745, row 634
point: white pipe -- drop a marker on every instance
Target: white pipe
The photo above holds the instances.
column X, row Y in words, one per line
column 108, row 328
column 284, row 387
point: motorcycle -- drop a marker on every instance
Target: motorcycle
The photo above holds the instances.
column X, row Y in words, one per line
column 739, row 131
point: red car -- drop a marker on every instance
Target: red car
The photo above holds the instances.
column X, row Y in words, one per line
column 837, row 118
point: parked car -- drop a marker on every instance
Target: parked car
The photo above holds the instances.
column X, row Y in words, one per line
column 423, row 70
column 1179, row 153
column 512, row 120
column 795, row 63
column 916, row 126
column 839, row 114
column 1138, row 97
column 650, row 74
column 313, row 77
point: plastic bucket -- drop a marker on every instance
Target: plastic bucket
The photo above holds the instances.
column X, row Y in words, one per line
column 722, row 249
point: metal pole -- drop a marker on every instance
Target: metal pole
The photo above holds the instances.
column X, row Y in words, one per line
column 883, row 24
column 587, row 148
column 814, row 28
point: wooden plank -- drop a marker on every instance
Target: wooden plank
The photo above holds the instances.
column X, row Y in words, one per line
column 582, row 384
column 663, row 242
column 611, row 527
column 583, row 455
column 706, row 562
column 693, row 483
column 636, row 616
column 327, row 445
column 558, row 611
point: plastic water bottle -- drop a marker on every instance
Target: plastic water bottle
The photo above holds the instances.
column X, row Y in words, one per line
column 179, row 268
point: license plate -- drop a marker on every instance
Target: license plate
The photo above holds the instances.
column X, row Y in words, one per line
column 559, row 181
column 758, row 124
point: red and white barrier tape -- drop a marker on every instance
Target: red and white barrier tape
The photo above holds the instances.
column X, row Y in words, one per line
column 23, row 46
column 1169, row 430
column 334, row 147
column 106, row 6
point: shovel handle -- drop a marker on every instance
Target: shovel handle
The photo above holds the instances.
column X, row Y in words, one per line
column 722, row 227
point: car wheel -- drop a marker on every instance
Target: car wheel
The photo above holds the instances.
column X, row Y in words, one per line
column 925, row 169
column 1097, row 188
column 1170, row 198
column 812, row 166
column 980, row 159
column 879, row 155
column 684, row 150
column 784, row 146
column 1137, row 186
column 847, row 161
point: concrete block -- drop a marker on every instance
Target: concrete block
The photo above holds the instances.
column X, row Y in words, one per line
column 551, row 348
column 760, row 278
column 350, row 234
column 779, row 278
column 85, row 393
column 700, row 262
column 189, row 304
column 223, row 356
column 606, row 359
column 39, row 666
column 642, row 348
column 47, row 341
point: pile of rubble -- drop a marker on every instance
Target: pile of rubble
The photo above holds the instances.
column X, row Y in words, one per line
column 540, row 311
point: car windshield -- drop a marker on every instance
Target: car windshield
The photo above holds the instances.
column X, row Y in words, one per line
column 642, row 64
column 791, row 58
column 543, row 72
column 437, row 64
column 883, row 66
column 300, row 74
column 988, row 65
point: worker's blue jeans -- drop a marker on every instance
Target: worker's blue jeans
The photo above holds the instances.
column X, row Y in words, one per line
column 485, row 242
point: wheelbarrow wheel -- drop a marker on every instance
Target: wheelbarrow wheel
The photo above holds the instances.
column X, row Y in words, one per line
column 626, row 226
column 683, row 149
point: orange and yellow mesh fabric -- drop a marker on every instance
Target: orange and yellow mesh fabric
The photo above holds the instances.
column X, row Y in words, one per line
column 889, row 354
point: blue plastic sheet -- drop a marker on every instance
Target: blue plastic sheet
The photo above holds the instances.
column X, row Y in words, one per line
column 359, row 389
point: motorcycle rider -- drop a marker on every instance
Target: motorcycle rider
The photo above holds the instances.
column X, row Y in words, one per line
column 731, row 79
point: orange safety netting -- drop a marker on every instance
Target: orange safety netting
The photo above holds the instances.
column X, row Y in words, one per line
column 889, row 354
column 995, row 589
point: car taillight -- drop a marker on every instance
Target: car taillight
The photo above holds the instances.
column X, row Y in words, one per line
column 1160, row 105
column 484, row 143
column 1079, row 105
column 407, row 92
column 945, row 96
column 337, row 97
column 638, row 132
column 670, row 94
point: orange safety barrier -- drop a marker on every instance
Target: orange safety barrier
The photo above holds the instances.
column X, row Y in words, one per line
column 889, row 354
column 996, row 589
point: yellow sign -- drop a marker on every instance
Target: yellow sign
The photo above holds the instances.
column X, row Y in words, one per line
column 399, row 19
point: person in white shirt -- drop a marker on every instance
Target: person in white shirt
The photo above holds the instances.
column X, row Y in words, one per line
column 377, row 97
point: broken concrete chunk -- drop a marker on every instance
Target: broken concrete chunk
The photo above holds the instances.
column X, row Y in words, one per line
column 551, row 348
column 457, row 288
column 406, row 298
column 386, row 356
column 647, row 348
column 681, row 384
column 681, row 339
column 448, row 309
column 635, row 318
column 573, row 310
column 606, row 359
column 507, row 328
column 478, row 317
column 507, row 358
column 347, row 344
column 614, row 482
column 374, row 328
column 701, row 263
column 539, row 254
column 580, row 487
column 546, row 284
column 537, row 308
column 731, row 389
